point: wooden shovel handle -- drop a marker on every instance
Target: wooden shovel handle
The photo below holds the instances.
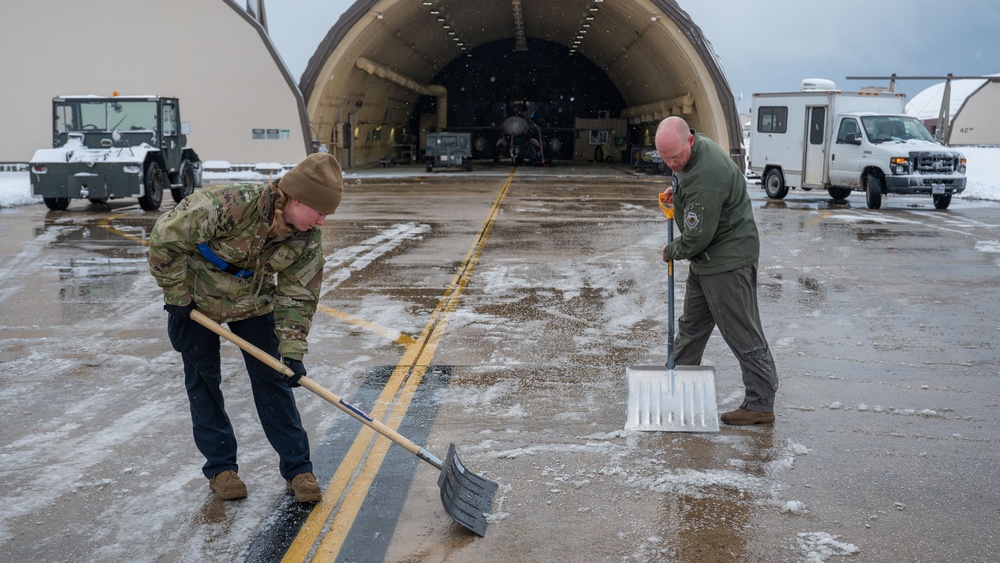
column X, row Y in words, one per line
column 316, row 388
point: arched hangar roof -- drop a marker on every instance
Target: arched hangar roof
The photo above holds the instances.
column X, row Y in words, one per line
column 973, row 119
column 381, row 56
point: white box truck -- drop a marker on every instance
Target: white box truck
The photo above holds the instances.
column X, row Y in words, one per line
column 823, row 138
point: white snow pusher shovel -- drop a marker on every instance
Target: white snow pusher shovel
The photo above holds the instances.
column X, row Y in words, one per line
column 671, row 399
column 467, row 497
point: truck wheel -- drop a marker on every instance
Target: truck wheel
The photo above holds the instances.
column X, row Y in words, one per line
column 187, row 183
column 873, row 190
column 942, row 201
column 56, row 203
column 155, row 181
column 839, row 193
column 774, row 184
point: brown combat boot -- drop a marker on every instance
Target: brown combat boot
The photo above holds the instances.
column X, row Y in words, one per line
column 744, row 417
column 228, row 486
column 305, row 487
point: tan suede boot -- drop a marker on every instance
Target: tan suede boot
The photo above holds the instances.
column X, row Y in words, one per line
column 228, row 485
column 305, row 487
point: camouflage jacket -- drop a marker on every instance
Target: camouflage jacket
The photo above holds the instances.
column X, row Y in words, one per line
column 234, row 220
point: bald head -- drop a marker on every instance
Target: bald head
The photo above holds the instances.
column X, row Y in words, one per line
column 673, row 142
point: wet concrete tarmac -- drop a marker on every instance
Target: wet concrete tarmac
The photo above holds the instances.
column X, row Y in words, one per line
column 498, row 311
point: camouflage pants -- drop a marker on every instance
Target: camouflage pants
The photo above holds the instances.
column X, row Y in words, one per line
column 729, row 301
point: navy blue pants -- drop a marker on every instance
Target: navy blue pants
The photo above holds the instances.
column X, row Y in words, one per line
column 213, row 432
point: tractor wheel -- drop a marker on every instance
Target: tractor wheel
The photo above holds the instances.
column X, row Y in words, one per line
column 56, row 203
column 187, row 183
column 155, row 182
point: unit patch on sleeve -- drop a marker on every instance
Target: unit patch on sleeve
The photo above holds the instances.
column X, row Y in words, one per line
column 692, row 219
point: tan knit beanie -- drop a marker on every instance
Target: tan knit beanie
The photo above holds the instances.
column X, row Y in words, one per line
column 317, row 182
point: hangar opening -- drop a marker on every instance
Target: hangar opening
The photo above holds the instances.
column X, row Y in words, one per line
column 595, row 77
column 508, row 98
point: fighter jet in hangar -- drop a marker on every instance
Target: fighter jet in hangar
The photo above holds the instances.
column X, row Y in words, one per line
column 521, row 141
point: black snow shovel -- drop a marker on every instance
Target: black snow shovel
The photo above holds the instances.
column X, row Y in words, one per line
column 675, row 398
column 467, row 497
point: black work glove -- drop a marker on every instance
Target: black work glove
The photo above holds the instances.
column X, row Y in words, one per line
column 180, row 311
column 298, row 368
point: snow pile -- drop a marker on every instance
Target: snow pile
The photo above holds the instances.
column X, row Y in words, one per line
column 223, row 171
column 795, row 507
column 15, row 190
column 820, row 546
column 982, row 174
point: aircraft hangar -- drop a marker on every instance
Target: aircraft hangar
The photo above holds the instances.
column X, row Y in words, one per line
column 596, row 76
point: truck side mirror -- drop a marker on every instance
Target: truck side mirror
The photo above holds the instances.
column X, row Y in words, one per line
column 853, row 139
column 185, row 127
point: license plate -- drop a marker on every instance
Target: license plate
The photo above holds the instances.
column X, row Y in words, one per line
column 937, row 188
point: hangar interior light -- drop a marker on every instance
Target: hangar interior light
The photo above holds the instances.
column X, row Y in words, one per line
column 520, row 42
column 446, row 24
column 588, row 18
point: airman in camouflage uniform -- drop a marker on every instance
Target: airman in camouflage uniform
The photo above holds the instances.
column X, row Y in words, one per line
column 251, row 256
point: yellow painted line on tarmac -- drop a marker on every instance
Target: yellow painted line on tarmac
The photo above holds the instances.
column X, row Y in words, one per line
column 106, row 225
column 342, row 490
column 364, row 458
column 394, row 335
column 822, row 216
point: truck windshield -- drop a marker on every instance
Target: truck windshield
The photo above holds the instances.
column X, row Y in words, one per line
column 894, row 128
column 105, row 115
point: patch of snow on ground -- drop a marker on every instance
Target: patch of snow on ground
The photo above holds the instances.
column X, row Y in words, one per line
column 817, row 547
column 988, row 246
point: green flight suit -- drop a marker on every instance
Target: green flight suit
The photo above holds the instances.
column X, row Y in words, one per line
column 719, row 238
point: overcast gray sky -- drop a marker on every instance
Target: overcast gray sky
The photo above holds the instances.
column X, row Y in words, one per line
column 771, row 45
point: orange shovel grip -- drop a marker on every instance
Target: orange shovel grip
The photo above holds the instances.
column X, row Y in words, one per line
column 668, row 211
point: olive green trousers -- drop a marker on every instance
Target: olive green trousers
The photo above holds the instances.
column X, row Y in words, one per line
column 729, row 301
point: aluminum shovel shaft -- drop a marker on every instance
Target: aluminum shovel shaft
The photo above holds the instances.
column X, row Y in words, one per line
column 467, row 497
column 669, row 212
column 671, row 398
